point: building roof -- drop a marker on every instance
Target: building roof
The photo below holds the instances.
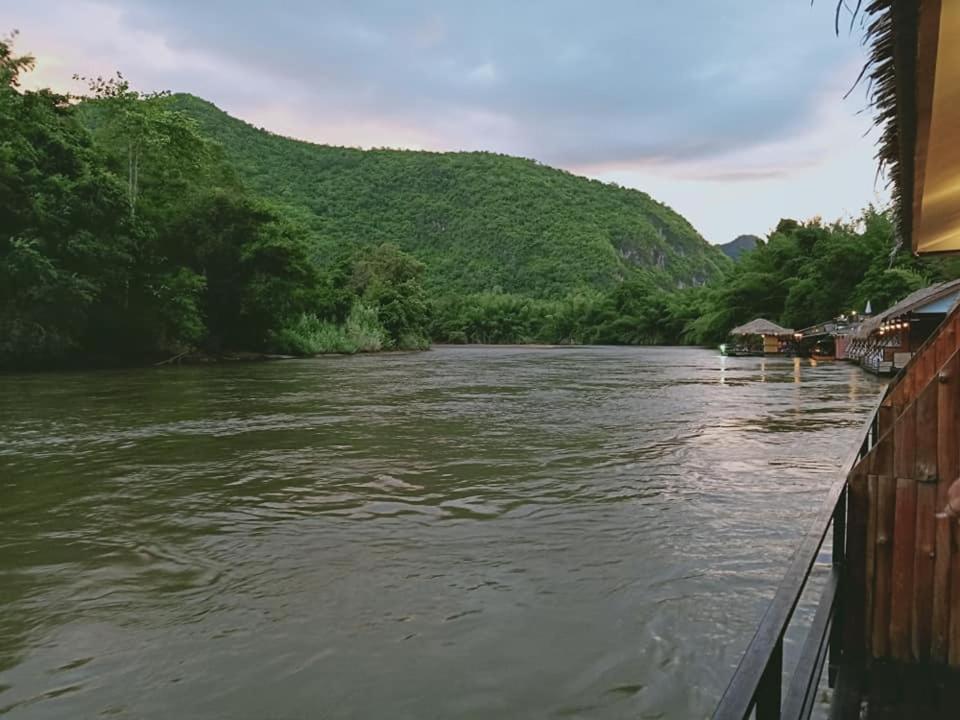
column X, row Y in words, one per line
column 913, row 73
column 761, row 326
column 913, row 302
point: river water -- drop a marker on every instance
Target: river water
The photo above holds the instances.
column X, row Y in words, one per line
column 463, row 533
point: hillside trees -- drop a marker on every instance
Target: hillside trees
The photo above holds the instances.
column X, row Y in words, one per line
column 64, row 245
column 125, row 235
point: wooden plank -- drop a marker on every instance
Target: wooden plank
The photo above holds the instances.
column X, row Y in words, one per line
column 925, row 473
column 904, row 438
column 906, row 392
column 904, row 542
column 922, row 618
column 947, row 466
column 940, row 623
column 871, row 559
column 948, row 345
column 886, row 505
column 885, row 418
column 929, row 365
column 948, row 405
column 880, row 460
column 925, row 450
column 954, row 652
column 855, row 578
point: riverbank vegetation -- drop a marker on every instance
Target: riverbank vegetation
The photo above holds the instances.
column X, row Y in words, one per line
column 126, row 236
column 135, row 227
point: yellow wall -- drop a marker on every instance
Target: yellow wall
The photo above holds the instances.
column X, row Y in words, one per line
column 937, row 229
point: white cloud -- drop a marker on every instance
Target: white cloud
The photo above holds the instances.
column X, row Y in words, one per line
column 732, row 115
column 484, row 74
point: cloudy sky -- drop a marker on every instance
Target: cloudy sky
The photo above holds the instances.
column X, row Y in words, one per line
column 730, row 111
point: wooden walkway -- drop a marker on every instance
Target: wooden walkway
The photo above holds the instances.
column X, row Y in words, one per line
column 891, row 691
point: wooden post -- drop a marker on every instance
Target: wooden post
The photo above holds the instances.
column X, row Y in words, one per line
column 855, row 575
column 942, row 592
column 925, row 473
column 886, row 506
column 947, row 464
column 904, row 449
column 925, row 447
column 904, row 542
column 954, row 655
column 871, row 559
column 923, row 569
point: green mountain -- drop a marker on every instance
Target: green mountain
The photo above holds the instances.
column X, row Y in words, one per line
column 739, row 245
column 481, row 222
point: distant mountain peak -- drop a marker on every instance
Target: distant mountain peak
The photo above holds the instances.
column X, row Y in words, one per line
column 739, row 245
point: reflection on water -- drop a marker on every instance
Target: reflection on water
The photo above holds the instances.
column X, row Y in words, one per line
column 465, row 533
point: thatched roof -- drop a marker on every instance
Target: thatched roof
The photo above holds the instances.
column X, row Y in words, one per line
column 761, row 326
column 913, row 301
column 890, row 71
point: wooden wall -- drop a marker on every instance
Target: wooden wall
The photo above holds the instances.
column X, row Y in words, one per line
column 904, row 561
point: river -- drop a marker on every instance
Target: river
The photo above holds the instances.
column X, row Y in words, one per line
column 462, row 533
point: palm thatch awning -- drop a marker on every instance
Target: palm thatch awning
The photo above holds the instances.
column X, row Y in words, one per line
column 914, row 79
column 913, row 302
column 761, row 326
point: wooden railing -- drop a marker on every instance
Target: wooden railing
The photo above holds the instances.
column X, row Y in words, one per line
column 758, row 680
column 910, row 565
column 894, row 586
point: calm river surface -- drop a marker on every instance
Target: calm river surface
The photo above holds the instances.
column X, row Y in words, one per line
column 464, row 533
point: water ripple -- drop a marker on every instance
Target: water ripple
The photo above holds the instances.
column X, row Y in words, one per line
column 497, row 532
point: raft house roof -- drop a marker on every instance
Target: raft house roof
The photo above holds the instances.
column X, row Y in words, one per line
column 913, row 73
column 761, row 326
column 939, row 298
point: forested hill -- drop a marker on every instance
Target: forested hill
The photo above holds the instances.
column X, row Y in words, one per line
column 739, row 245
column 480, row 222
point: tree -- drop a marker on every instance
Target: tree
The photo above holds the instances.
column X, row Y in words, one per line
column 63, row 241
column 140, row 130
column 256, row 267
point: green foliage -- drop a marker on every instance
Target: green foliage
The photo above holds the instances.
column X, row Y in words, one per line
column 257, row 270
column 126, row 235
column 389, row 281
column 309, row 335
column 134, row 226
column 480, row 223
column 811, row 272
column 63, row 243
column 150, row 143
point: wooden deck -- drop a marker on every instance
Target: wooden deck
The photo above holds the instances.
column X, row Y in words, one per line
column 894, row 691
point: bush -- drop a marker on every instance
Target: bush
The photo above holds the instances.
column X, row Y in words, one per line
column 363, row 330
column 309, row 335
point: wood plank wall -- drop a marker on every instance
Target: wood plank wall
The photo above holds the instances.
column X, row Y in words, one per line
column 906, row 559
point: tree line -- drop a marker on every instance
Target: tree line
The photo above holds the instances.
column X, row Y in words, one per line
column 802, row 274
column 128, row 235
